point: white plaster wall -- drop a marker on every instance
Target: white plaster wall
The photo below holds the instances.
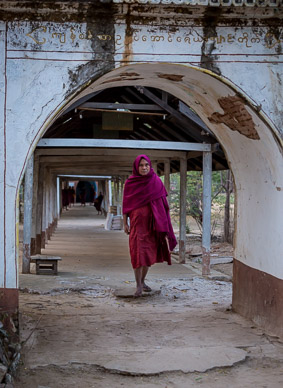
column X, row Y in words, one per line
column 37, row 81
column 265, row 89
column 35, row 90
column 2, row 146
column 238, row 53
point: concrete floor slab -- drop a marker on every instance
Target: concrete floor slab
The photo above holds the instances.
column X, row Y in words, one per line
column 77, row 332
column 186, row 360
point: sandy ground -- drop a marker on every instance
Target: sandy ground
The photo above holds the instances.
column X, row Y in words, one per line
column 76, row 331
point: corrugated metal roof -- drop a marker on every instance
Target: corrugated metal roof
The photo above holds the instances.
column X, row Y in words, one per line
column 214, row 3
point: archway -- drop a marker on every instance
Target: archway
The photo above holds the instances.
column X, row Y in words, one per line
column 253, row 150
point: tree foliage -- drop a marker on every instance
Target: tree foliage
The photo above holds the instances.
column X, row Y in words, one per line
column 194, row 207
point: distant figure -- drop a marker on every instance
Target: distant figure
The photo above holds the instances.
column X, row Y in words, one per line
column 98, row 202
column 71, row 192
column 83, row 196
column 65, row 198
column 74, row 196
column 92, row 195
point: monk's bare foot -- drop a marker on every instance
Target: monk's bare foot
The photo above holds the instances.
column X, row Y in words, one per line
column 138, row 292
column 146, row 288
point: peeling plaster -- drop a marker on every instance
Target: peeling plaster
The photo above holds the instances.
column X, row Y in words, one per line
column 171, row 77
column 235, row 116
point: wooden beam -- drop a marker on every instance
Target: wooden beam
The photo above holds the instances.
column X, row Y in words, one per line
column 115, row 143
column 85, row 158
column 112, row 152
column 113, row 106
column 141, row 113
column 185, row 110
column 186, row 123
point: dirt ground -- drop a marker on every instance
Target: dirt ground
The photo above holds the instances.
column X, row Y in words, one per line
column 76, row 330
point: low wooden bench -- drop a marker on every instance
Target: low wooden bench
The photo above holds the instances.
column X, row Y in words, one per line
column 46, row 265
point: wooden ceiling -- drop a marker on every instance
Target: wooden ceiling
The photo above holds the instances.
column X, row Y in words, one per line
column 156, row 116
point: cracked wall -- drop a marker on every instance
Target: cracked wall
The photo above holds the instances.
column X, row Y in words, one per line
column 49, row 57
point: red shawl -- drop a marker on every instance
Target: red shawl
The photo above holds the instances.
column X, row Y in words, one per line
column 140, row 190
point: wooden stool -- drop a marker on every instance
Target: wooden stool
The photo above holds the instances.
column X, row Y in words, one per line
column 46, row 265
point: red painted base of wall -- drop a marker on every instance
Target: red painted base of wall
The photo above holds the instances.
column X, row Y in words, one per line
column 9, row 312
column 38, row 244
column 259, row 297
column 43, row 235
column 32, row 246
column 9, row 300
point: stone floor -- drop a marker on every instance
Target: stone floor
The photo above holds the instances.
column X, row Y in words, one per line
column 84, row 328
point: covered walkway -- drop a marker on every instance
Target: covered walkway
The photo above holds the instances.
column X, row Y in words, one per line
column 76, row 332
column 91, row 254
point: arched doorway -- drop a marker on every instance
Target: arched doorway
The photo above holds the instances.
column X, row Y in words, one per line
column 253, row 152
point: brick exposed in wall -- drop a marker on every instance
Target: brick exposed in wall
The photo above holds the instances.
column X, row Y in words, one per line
column 235, row 116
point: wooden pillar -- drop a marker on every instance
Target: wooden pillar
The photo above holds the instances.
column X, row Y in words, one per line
column 167, row 178
column 104, row 203
column 154, row 166
column 119, row 192
column 47, row 206
column 43, row 220
column 58, row 192
column 106, row 196
column 27, row 215
column 183, row 201
column 206, row 212
column 39, row 210
column 34, row 205
column 110, row 192
column 115, row 192
column 54, row 203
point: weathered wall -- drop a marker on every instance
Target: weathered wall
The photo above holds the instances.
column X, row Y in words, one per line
column 2, row 147
column 47, row 60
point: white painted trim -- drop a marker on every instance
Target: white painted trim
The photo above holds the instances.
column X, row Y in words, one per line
column 87, row 176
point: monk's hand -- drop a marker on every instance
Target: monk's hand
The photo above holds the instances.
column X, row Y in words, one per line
column 127, row 229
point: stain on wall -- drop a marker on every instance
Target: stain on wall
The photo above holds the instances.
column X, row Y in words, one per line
column 235, row 116
column 210, row 21
column 103, row 48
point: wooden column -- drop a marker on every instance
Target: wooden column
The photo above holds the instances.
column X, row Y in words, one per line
column 115, row 192
column 58, row 195
column 43, row 221
column 110, row 192
column 104, row 203
column 54, row 203
column 106, row 196
column 34, row 205
column 154, row 166
column 206, row 212
column 39, row 211
column 48, row 205
column 27, row 215
column 119, row 193
column 183, row 200
column 167, row 178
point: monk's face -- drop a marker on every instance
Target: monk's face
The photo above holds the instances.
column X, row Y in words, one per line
column 144, row 167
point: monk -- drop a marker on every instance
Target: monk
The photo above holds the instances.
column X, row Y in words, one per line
column 98, row 203
column 151, row 236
